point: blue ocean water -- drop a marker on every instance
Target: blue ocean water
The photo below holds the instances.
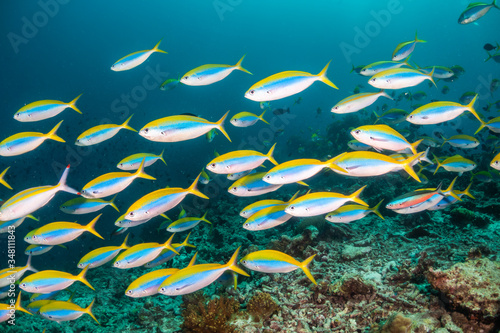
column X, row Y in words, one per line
column 58, row 49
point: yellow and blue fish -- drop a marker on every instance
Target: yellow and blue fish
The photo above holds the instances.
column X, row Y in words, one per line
column 48, row 281
column 349, row 213
column 141, row 254
column 166, row 254
column 102, row 255
column 295, row 171
column 60, row 311
column 245, row 119
column 44, row 109
column 210, row 73
column 100, row 133
column 135, row 59
column 85, row 206
column 252, row 185
column 239, row 161
column 438, row 112
column 6, row 310
column 187, row 223
column 133, row 162
column 10, row 275
column 403, row 50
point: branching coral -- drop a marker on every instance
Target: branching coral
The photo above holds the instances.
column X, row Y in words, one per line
column 202, row 317
column 262, row 306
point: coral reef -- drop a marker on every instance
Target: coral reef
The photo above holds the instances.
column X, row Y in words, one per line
column 262, row 306
column 472, row 288
column 214, row 316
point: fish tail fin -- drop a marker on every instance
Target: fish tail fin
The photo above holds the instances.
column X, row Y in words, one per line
column 91, row 227
column 220, row 125
column 88, row 310
column 2, row 181
column 293, row 197
column 450, row 190
column 72, row 104
column 140, row 173
column 305, row 267
column 353, row 68
column 81, row 277
column 470, row 107
column 28, row 265
column 232, row 264
column 156, row 48
column 261, row 117
column 124, row 244
column 32, row 217
column 494, row 4
column 467, row 191
column 333, row 166
column 414, row 146
column 376, row 211
column 52, row 134
column 168, row 244
column 126, row 126
column 419, row 40
column 425, row 158
column 238, row 65
column 161, row 156
column 383, row 93
column 186, row 243
column 407, row 62
column 18, row 305
column 355, row 197
column 112, row 203
column 322, row 76
column 438, row 164
column 444, row 139
column 193, row 260
column 378, row 117
column 62, row 183
column 270, row 155
column 431, row 78
column 204, row 218
column 480, row 127
column 489, row 56
column 407, row 165
column 194, row 190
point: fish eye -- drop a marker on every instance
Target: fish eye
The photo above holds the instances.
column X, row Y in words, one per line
column 186, row 77
column 212, row 165
column 357, row 131
column 235, row 188
column 163, row 288
column 146, row 130
column 252, row 92
column 129, row 292
column 243, row 261
column 269, row 177
column 50, row 317
column 291, row 207
column 410, row 117
column 268, row 91
column 131, row 214
column 23, row 285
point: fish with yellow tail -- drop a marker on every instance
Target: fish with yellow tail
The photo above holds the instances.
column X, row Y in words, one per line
column 24, row 142
column 357, row 102
column 313, row 204
column 368, row 164
column 44, row 110
column 456, row 163
column 285, row 84
column 9, row 275
column 135, row 59
column 102, row 255
column 403, row 50
column 380, row 66
column 166, row 254
column 100, row 133
column 148, row 284
column 60, row 311
column 245, row 119
column 210, row 73
column 252, row 185
column 461, row 141
column 295, row 171
column 85, row 206
column 133, row 162
column 400, row 78
column 261, row 204
column 475, row 11
column 141, row 254
column 29, row 200
column 268, row 215
column 160, row 201
column 56, row 233
column 180, row 128
column 420, row 200
column 239, row 161
column 112, row 183
column 196, row 277
column 271, row 261
column 439, row 112
column 349, row 213
column 6, row 226
column 45, row 282
column 383, row 137
column 7, row 310
column 187, row 223
column 449, row 199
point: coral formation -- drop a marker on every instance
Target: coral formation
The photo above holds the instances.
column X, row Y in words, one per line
column 262, row 306
column 472, row 287
column 213, row 316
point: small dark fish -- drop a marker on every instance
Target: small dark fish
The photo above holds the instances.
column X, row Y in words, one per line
column 356, row 90
column 318, row 112
column 281, row 111
column 459, row 131
column 489, row 47
column 445, row 90
column 495, row 83
column 457, row 70
column 467, row 97
column 419, row 95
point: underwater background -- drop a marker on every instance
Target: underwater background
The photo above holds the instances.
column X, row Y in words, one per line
column 371, row 273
